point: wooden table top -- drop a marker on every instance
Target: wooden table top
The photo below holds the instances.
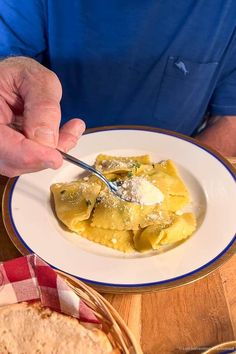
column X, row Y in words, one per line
column 188, row 319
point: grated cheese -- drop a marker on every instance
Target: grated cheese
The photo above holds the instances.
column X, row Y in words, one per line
column 140, row 190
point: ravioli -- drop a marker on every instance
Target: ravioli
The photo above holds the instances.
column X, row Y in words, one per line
column 164, row 176
column 75, row 201
column 119, row 240
column 154, row 236
column 110, row 164
column 87, row 207
column 113, row 213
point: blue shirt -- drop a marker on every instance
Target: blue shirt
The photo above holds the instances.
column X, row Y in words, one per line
column 163, row 63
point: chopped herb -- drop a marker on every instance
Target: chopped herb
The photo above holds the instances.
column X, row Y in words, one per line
column 63, row 191
column 136, row 165
column 88, row 202
column 129, row 174
column 113, row 179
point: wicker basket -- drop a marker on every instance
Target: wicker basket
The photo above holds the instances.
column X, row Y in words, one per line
column 112, row 324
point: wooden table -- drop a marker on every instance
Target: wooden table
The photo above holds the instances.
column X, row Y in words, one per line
column 184, row 320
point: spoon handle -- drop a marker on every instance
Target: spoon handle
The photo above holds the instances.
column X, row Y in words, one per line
column 85, row 166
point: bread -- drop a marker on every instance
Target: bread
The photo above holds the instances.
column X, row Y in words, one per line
column 31, row 329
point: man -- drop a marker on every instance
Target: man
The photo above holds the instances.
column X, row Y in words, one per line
column 163, row 63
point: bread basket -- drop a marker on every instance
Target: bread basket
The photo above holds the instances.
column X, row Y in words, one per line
column 112, row 324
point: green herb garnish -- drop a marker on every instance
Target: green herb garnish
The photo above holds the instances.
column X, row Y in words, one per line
column 129, row 174
column 136, row 165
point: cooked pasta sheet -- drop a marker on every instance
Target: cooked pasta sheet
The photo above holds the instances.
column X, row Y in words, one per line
column 88, row 208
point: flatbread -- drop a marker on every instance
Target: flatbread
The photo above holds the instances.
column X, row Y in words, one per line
column 30, row 329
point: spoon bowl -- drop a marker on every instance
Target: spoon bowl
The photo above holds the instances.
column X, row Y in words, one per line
column 112, row 186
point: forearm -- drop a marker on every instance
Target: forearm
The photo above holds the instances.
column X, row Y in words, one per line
column 221, row 135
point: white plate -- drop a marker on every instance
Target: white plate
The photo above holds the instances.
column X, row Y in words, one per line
column 208, row 178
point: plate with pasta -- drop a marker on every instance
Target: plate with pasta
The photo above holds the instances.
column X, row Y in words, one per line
column 71, row 220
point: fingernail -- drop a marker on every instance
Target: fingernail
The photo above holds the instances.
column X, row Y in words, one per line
column 45, row 136
column 77, row 131
column 78, row 128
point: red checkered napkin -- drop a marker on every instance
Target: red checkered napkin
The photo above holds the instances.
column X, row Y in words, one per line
column 29, row 278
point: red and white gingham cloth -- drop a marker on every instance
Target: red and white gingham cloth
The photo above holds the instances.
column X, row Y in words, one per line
column 29, row 278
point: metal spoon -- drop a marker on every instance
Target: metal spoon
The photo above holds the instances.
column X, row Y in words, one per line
column 115, row 188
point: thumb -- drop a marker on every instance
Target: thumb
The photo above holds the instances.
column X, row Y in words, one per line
column 41, row 92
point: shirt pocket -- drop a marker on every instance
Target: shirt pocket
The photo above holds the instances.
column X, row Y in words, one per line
column 185, row 90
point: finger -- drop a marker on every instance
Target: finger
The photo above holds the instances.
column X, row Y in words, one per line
column 70, row 133
column 6, row 114
column 41, row 92
column 20, row 155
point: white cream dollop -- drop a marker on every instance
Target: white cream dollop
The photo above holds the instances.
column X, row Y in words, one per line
column 140, row 190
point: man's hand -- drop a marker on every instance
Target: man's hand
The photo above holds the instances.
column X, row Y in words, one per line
column 221, row 135
column 30, row 117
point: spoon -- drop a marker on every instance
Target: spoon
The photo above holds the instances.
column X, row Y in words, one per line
column 113, row 187
column 121, row 189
